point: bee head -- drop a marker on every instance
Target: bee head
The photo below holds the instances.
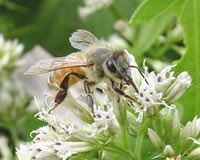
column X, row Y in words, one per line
column 118, row 66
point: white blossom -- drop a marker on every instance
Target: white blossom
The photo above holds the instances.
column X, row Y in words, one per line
column 9, row 53
column 183, row 81
column 92, row 6
column 156, row 89
column 64, row 137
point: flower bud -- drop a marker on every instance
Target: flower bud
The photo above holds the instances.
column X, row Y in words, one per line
column 176, row 123
column 182, row 82
column 191, row 129
column 155, row 139
column 195, row 154
column 168, row 151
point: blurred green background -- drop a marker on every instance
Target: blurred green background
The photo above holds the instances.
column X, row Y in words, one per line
column 50, row 22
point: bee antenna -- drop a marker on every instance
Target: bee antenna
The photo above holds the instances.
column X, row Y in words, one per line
column 140, row 73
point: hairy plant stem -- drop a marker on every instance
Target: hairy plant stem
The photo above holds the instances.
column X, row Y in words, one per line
column 140, row 137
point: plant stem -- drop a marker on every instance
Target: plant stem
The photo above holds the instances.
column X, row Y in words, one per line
column 14, row 135
column 125, row 138
column 121, row 151
column 124, row 127
column 140, row 138
column 115, row 12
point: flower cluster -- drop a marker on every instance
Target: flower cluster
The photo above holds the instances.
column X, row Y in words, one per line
column 64, row 137
column 92, row 6
column 71, row 129
column 158, row 91
column 9, row 53
column 181, row 140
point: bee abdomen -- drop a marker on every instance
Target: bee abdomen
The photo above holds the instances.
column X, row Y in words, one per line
column 58, row 76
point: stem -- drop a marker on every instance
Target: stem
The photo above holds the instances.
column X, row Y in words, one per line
column 120, row 151
column 115, row 12
column 14, row 135
column 125, row 138
column 124, row 127
column 140, row 138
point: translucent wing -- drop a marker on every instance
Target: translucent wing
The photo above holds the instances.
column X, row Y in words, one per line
column 52, row 64
column 82, row 39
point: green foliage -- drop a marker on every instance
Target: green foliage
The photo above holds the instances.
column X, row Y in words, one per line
column 188, row 13
column 148, row 34
column 149, row 9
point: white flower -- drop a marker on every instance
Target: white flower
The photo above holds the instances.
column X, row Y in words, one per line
column 92, row 6
column 66, row 135
column 51, row 150
column 9, row 53
column 182, row 82
column 156, row 90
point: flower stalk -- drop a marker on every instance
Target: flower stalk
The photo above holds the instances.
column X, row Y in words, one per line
column 140, row 137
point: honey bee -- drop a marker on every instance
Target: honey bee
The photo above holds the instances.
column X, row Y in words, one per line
column 95, row 63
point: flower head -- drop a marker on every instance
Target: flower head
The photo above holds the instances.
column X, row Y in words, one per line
column 9, row 53
column 66, row 134
column 156, row 90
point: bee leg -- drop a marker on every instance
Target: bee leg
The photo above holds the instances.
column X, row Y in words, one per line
column 120, row 92
column 62, row 93
column 59, row 98
column 89, row 97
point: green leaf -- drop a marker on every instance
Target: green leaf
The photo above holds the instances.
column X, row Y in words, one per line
column 149, row 9
column 149, row 33
column 188, row 13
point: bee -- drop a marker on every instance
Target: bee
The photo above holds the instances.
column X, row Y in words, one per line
column 94, row 63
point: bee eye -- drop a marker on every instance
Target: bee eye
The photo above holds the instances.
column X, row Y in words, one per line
column 111, row 66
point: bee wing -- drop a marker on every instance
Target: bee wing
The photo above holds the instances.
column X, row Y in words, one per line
column 52, row 64
column 82, row 39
